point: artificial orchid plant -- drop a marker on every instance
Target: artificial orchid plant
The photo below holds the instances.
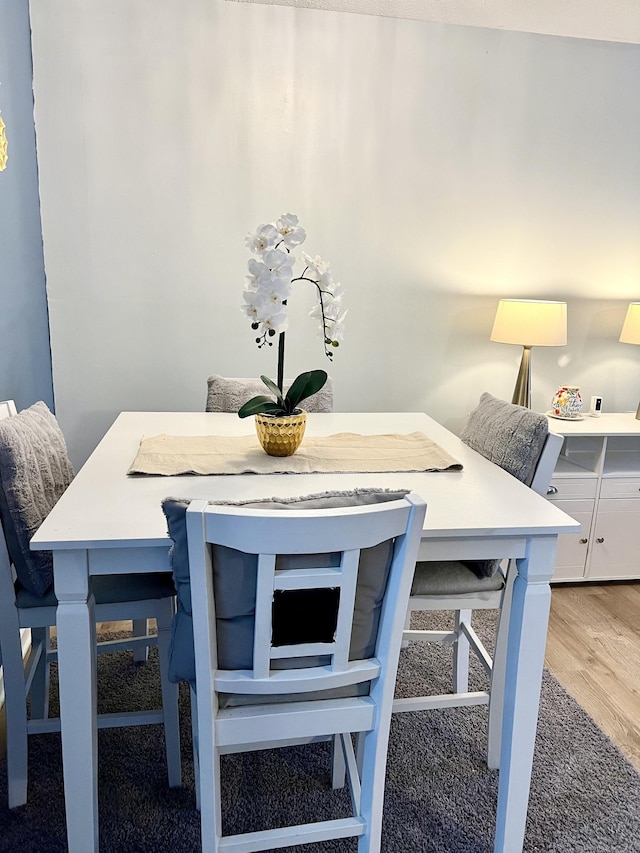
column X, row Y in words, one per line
column 266, row 293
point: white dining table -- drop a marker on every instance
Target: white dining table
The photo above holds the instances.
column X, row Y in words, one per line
column 108, row 522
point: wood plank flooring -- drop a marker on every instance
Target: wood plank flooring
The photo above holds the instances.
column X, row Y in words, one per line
column 593, row 649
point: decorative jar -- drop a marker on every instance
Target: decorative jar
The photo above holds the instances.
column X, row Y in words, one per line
column 567, row 402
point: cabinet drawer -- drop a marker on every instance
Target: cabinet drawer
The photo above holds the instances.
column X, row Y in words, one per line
column 624, row 487
column 570, row 488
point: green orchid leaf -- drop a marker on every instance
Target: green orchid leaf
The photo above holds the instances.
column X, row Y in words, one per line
column 304, row 386
column 258, row 406
column 271, row 385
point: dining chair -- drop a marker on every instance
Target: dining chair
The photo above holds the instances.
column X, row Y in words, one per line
column 34, row 472
column 298, row 620
column 518, row 440
column 226, row 394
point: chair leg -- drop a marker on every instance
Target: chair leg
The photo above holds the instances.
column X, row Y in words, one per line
column 16, row 721
column 207, row 780
column 373, row 757
column 461, row 653
column 407, row 627
column 194, row 737
column 40, row 682
column 338, row 766
column 498, row 674
column 169, row 695
column 141, row 653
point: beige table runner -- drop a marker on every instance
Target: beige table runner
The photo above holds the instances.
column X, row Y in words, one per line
column 339, row 453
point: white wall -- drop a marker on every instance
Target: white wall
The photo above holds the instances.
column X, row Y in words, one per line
column 437, row 167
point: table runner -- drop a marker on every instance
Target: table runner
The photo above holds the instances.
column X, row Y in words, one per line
column 170, row 455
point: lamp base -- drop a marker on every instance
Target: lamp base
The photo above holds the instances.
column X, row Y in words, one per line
column 522, row 391
column 638, row 413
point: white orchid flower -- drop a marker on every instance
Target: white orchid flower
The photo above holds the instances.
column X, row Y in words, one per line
column 279, row 263
column 318, row 270
column 258, row 272
column 290, row 232
column 253, row 305
column 275, row 321
column 275, row 291
column 270, row 282
column 264, row 238
column 335, row 328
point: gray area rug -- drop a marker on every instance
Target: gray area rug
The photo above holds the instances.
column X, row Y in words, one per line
column 440, row 796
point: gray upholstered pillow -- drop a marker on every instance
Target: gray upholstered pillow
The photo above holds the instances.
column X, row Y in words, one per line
column 511, row 436
column 34, row 472
column 235, row 583
column 228, row 395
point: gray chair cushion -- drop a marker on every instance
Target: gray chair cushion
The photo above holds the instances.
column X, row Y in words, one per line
column 510, row 436
column 34, row 472
column 235, row 584
column 228, row 395
column 109, row 589
column 452, row 578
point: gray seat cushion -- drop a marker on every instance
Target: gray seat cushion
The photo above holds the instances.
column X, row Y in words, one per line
column 235, row 583
column 452, row 578
column 228, row 395
column 34, row 472
column 109, row 589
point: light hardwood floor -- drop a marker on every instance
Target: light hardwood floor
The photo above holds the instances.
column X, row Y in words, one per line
column 593, row 649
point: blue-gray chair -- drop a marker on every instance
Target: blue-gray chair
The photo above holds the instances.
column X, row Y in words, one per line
column 518, row 440
column 34, row 472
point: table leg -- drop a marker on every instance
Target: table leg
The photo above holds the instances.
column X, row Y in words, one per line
column 528, row 621
column 78, row 702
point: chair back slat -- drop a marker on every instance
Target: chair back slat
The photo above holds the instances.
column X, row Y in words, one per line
column 546, row 463
column 7, row 574
column 347, row 587
column 264, row 531
column 7, row 409
column 262, row 621
column 306, row 578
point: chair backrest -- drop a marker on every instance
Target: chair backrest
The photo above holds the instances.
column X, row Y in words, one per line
column 518, row 440
column 225, row 394
column 508, row 435
column 283, row 542
column 7, row 593
column 34, row 472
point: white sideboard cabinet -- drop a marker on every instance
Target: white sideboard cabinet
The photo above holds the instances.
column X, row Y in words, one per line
column 597, row 482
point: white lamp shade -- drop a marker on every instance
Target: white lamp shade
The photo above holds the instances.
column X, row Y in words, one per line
column 531, row 323
column 630, row 333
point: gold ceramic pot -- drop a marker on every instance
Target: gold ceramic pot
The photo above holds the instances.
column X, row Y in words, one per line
column 280, row 435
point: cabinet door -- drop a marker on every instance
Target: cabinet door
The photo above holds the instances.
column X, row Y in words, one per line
column 572, row 550
column 616, row 540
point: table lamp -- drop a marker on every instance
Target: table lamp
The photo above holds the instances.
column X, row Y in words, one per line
column 529, row 323
column 630, row 333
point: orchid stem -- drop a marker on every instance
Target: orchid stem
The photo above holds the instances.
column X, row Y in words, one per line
column 281, row 362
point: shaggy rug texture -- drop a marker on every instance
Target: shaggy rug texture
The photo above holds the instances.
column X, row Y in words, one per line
column 440, row 796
